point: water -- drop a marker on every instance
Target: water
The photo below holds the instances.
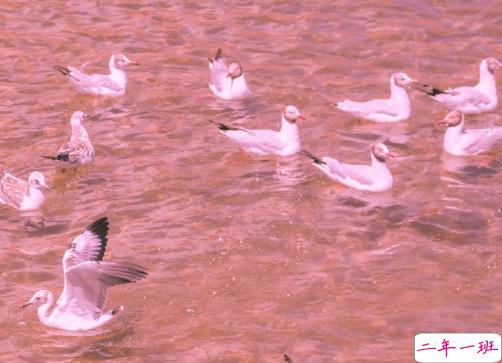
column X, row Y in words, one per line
column 250, row 257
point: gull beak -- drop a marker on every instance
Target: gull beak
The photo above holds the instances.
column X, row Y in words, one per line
column 25, row 305
column 442, row 122
column 131, row 62
column 300, row 116
column 391, row 155
column 48, row 187
column 229, row 75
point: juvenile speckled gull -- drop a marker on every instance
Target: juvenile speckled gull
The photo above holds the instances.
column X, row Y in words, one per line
column 113, row 84
column 227, row 82
column 79, row 150
column 285, row 142
column 469, row 100
column 396, row 108
column 373, row 178
column 86, row 280
column 459, row 141
column 21, row 194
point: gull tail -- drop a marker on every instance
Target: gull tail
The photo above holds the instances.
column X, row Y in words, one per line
column 287, row 359
column 347, row 106
column 312, row 157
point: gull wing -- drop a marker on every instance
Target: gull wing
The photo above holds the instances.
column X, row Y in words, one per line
column 464, row 95
column 479, row 140
column 350, row 173
column 260, row 141
column 75, row 151
column 219, row 72
column 90, row 245
column 88, row 81
column 379, row 106
column 12, row 189
column 85, row 286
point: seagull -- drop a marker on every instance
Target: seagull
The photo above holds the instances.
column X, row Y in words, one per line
column 79, row 150
column 21, row 194
column 86, row 279
column 459, row 141
column 396, row 108
column 113, row 84
column 227, row 83
column 469, row 100
column 373, row 178
column 285, row 142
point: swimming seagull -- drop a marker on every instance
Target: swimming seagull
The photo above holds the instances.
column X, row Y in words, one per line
column 285, row 142
column 21, row 194
column 373, row 178
column 396, row 108
column 469, row 100
column 113, row 84
column 227, row 83
column 79, row 150
column 86, row 279
column 459, row 141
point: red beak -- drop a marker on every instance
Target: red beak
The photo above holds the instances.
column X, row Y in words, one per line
column 302, row 117
column 391, row 155
column 442, row 122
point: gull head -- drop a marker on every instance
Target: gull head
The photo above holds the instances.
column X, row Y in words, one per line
column 402, row 79
column 493, row 64
column 234, row 70
column 291, row 114
column 77, row 117
column 37, row 180
column 453, row 118
column 121, row 61
column 381, row 152
column 40, row 297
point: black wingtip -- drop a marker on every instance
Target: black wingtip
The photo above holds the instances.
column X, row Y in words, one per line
column 430, row 90
column 64, row 71
column 311, row 156
column 287, row 359
column 58, row 157
column 222, row 127
column 219, row 54
column 100, row 228
column 436, row 91
column 48, row 157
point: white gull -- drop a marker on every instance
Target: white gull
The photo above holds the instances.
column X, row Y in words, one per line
column 21, row 194
column 469, row 99
column 79, row 150
column 373, row 178
column 86, row 280
column 394, row 109
column 227, row 82
column 113, row 84
column 459, row 141
column 285, row 142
